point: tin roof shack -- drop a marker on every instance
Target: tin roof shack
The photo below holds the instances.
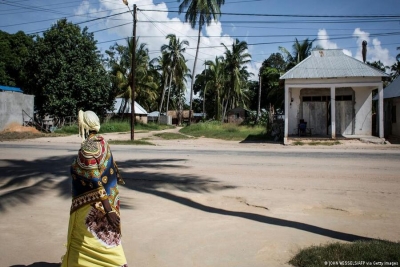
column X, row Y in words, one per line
column 330, row 90
column 237, row 115
column 15, row 106
column 123, row 108
column 391, row 107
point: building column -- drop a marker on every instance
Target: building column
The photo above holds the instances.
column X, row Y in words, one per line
column 286, row 128
column 333, row 112
column 380, row 112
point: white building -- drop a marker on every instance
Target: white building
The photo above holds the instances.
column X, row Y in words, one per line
column 330, row 90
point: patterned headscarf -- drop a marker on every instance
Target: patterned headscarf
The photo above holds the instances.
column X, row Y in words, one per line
column 89, row 120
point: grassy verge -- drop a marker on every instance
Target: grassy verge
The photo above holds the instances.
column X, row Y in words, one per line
column 359, row 253
column 8, row 136
column 130, row 142
column 225, row 131
column 117, row 126
column 172, row 136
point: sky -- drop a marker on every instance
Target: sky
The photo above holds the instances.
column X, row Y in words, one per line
column 264, row 24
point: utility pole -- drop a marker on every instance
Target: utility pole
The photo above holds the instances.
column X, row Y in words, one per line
column 133, row 71
column 133, row 68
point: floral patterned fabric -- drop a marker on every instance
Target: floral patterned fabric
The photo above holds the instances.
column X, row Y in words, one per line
column 92, row 241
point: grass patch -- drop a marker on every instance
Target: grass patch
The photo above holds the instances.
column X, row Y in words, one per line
column 316, row 143
column 361, row 251
column 9, row 136
column 130, row 142
column 172, row 136
column 224, row 131
column 326, row 143
column 117, row 126
column 298, row 143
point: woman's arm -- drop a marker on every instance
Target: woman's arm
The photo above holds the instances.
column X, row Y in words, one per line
column 112, row 216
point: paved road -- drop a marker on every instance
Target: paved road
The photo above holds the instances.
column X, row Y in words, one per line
column 247, row 205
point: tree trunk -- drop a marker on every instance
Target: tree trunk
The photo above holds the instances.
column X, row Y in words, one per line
column 169, row 87
column 204, row 104
column 193, row 72
column 259, row 100
column 162, row 98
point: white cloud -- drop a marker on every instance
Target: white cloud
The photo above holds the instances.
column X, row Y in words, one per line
column 325, row 43
column 375, row 51
column 153, row 33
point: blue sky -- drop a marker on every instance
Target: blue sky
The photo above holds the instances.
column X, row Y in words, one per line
column 264, row 34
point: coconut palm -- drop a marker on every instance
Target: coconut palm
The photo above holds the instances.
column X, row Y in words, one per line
column 174, row 51
column 235, row 60
column 201, row 12
column 211, row 83
column 120, row 65
column 300, row 52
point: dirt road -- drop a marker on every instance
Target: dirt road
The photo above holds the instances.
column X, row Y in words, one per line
column 205, row 202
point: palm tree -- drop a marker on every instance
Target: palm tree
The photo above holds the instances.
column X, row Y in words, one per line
column 174, row 50
column 237, row 73
column 214, row 82
column 201, row 12
column 120, row 61
column 300, row 52
column 163, row 66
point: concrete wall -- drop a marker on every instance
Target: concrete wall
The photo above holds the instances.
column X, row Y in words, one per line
column 294, row 111
column 363, row 111
column 396, row 125
column 11, row 106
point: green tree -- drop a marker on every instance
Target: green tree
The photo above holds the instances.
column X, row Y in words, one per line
column 15, row 49
column 175, row 49
column 67, row 73
column 300, row 52
column 119, row 61
column 210, row 84
column 235, row 60
column 201, row 12
column 395, row 70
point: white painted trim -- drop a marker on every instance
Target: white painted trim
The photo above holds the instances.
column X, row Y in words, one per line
column 333, row 112
column 329, row 85
column 286, row 130
column 380, row 114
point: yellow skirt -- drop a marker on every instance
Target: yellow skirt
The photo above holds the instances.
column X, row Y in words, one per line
column 92, row 241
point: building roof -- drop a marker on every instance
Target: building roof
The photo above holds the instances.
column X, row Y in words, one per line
column 392, row 90
column 119, row 105
column 332, row 63
column 10, row 89
column 153, row 114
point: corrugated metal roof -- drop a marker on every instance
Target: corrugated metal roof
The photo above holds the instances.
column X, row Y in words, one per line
column 11, row 89
column 392, row 90
column 138, row 108
column 332, row 63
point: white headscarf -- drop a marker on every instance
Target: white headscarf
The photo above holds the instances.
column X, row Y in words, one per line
column 88, row 120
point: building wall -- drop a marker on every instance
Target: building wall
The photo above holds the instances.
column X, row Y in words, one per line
column 396, row 125
column 295, row 114
column 12, row 106
column 363, row 111
column 236, row 115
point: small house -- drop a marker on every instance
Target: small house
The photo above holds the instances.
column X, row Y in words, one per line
column 332, row 92
column 123, row 108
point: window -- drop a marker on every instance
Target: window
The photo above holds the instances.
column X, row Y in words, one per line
column 344, row 98
column 323, row 98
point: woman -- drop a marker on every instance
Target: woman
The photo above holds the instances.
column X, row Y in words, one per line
column 94, row 231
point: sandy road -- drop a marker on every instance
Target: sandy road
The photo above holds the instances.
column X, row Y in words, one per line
column 204, row 202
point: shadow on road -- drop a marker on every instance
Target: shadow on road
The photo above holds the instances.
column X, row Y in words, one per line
column 21, row 181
